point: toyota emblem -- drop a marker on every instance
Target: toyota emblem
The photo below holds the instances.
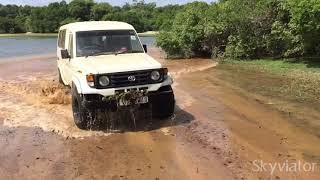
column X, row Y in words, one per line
column 132, row 78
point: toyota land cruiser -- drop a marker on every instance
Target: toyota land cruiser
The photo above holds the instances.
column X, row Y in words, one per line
column 99, row 59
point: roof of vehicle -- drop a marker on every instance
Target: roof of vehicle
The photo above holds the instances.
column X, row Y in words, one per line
column 97, row 25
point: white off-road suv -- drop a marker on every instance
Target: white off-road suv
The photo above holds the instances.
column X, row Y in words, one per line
column 99, row 59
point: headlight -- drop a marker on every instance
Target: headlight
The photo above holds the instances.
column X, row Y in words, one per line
column 104, row 81
column 155, row 75
column 90, row 80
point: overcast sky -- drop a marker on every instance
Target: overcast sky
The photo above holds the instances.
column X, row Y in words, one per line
column 113, row 2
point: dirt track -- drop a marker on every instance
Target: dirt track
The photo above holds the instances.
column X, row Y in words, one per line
column 216, row 133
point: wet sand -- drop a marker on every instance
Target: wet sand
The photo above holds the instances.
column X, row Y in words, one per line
column 216, row 132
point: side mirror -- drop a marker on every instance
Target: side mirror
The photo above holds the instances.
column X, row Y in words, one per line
column 65, row 54
column 145, row 48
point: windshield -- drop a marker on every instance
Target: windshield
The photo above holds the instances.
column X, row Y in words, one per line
column 90, row 43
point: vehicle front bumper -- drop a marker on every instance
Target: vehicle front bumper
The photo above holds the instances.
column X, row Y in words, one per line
column 97, row 101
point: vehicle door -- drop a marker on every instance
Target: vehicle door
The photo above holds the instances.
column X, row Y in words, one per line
column 70, row 48
column 62, row 62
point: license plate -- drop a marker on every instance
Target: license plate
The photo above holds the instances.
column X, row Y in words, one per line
column 141, row 100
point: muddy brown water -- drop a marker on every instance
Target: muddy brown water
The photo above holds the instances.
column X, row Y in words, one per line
column 216, row 132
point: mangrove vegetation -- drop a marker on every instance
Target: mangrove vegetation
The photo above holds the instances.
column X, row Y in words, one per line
column 47, row 19
column 245, row 29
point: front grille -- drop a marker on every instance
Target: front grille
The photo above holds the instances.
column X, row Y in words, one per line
column 121, row 79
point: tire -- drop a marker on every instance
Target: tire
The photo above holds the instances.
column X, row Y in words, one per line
column 60, row 78
column 163, row 105
column 80, row 113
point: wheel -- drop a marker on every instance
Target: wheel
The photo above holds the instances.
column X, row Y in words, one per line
column 163, row 104
column 80, row 113
column 60, row 78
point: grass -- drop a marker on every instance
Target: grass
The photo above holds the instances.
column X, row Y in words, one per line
column 280, row 66
column 297, row 81
column 292, row 87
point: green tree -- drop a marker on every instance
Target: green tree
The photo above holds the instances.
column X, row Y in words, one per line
column 81, row 9
column 37, row 21
column 246, row 29
column 164, row 17
column 305, row 25
column 8, row 25
column 48, row 18
column 100, row 10
column 187, row 33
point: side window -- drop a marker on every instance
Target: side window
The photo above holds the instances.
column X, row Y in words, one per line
column 71, row 45
column 62, row 39
column 59, row 39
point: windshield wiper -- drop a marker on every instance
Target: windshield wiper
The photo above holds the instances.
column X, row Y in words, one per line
column 115, row 53
column 126, row 52
column 99, row 54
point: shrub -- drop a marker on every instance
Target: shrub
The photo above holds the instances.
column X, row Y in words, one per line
column 187, row 34
column 245, row 29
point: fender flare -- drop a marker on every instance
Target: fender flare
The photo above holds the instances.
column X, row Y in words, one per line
column 62, row 77
column 167, row 82
column 77, row 84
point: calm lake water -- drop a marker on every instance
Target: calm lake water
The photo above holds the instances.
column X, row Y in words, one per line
column 25, row 46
